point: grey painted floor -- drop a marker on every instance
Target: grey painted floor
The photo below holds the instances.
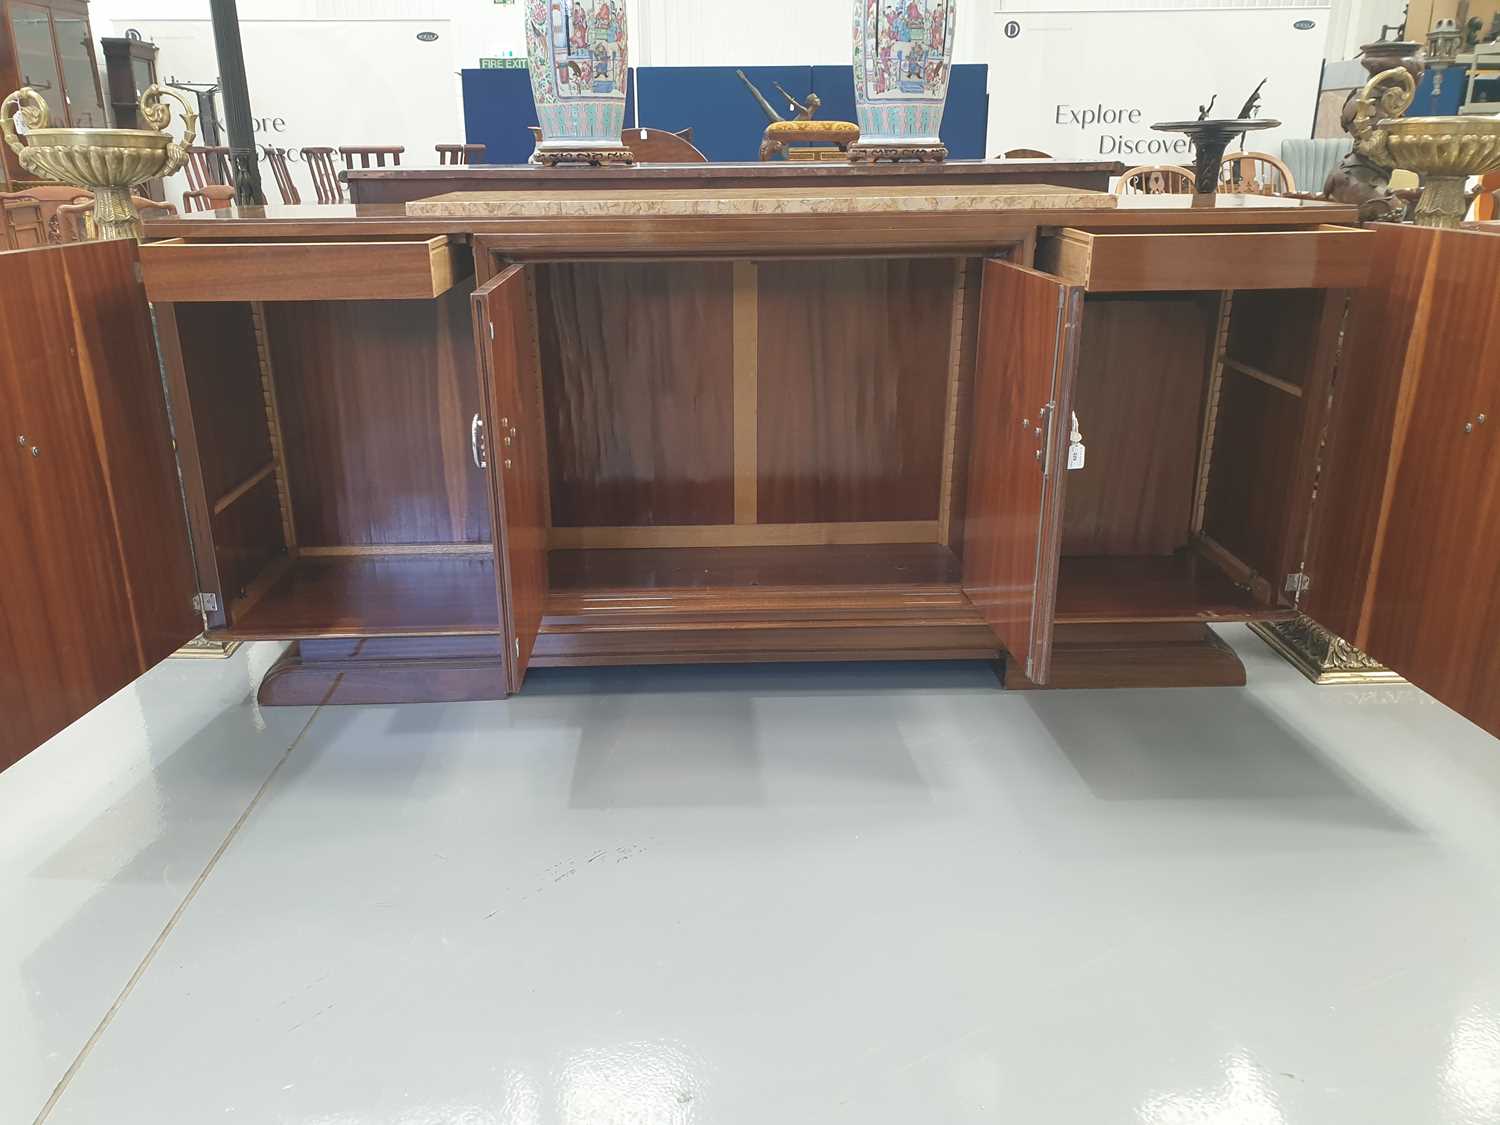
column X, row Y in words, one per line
column 883, row 894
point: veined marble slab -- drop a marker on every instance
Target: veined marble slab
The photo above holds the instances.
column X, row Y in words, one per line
column 757, row 201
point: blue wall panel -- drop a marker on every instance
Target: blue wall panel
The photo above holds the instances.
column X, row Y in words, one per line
column 726, row 121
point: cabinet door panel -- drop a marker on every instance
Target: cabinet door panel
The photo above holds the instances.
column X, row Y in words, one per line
column 1023, row 399
column 1406, row 550
column 96, row 581
column 515, row 433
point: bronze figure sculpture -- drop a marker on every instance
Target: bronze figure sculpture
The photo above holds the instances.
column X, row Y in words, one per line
column 780, row 132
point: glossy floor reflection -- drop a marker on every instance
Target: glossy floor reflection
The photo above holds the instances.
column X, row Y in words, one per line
column 796, row 894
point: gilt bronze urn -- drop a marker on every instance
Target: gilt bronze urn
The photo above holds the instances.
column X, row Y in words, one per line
column 1444, row 151
column 107, row 162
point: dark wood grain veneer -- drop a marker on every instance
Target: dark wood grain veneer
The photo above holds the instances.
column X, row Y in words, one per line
column 854, row 359
column 1096, row 656
column 517, row 444
column 637, row 373
column 376, row 595
column 96, row 576
column 1142, row 376
column 1024, row 374
column 376, row 399
column 1408, row 514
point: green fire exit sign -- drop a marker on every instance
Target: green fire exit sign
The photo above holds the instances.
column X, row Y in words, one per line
column 502, row 64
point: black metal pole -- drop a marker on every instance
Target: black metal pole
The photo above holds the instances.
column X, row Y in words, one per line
column 236, row 101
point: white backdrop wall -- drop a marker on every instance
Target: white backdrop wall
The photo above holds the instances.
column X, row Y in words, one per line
column 1089, row 84
column 1079, row 78
column 331, row 72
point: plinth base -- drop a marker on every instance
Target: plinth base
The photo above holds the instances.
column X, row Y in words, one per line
column 1319, row 655
column 598, row 157
column 386, row 670
column 868, row 153
column 1135, row 656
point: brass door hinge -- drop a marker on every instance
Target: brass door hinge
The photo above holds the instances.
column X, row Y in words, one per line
column 1298, row 583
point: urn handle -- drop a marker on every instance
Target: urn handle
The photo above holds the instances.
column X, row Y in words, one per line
column 158, row 114
column 33, row 109
column 1387, row 95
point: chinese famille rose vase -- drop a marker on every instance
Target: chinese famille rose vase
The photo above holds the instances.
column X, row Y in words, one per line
column 579, row 56
column 902, row 52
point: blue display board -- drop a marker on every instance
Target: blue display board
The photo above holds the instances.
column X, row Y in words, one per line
column 727, row 122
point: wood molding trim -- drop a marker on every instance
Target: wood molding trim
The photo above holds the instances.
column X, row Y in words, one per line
column 746, row 408
column 273, row 424
column 1211, row 410
column 477, row 550
column 950, row 409
column 745, row 535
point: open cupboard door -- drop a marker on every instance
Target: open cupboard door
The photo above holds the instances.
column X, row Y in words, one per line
column 96, row 576
column 1023, row 401
column 1404, row 560
column 514, row 435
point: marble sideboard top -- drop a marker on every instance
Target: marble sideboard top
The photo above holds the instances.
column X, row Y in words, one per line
column 757, row 201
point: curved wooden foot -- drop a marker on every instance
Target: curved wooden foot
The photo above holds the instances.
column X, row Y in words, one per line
column 386, row 670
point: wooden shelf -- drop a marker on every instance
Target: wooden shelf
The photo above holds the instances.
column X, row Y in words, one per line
column 375, row 595
column 1138, row 588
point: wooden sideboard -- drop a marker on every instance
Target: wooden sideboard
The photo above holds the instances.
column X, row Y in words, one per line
column 438, row 451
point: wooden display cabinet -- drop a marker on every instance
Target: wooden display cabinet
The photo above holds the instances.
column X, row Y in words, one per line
column 439, row 453
column 130, row 70
column 47, row 44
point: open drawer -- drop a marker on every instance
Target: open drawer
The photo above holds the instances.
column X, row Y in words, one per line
column 413, row 269
column 1320, row 257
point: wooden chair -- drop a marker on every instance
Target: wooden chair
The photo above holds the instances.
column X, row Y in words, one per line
column 366, row 154
column 1255, row 173
column 49, row 197
column 207, row 164
column 76, row 220
column 662, row 146
column 325, row 176
column 276, row 158
column 22, row 225
column 460, row 154
column 1026, row 154
column 213, row 197
column 1156, row 179
column 1487, row 204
